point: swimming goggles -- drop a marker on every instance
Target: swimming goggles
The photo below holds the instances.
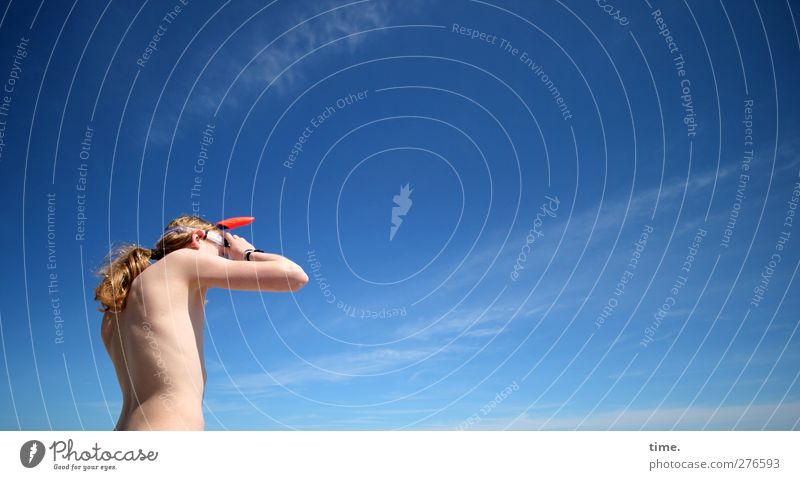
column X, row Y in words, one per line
column 212, row 236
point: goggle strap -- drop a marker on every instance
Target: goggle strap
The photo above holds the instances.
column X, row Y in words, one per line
column 214, row 236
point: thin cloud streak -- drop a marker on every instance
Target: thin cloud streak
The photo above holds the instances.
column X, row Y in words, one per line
column 665, row 418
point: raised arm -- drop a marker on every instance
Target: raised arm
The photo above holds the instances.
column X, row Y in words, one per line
column 239, row 245
column 217, row 272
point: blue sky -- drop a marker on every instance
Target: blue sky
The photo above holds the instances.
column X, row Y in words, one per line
column 536, row 154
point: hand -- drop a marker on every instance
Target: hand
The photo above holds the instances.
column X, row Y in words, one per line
column 238, row 245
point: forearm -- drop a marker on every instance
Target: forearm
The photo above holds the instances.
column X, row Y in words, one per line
column 273, row 257
column 294, row 270
column 266, row 257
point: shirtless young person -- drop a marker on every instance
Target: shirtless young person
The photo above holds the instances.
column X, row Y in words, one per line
column 153, row 322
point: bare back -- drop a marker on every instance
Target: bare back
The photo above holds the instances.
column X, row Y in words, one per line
column 156, row 342
column 156, row 345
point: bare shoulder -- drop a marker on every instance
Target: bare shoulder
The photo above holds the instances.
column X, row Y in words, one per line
column 189, row 264
column 187, row 258
column 182, row 253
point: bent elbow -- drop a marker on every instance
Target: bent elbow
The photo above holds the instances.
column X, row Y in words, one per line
column 298, row 284
column 297, row 278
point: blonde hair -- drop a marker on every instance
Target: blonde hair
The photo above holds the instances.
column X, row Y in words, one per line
column 125, row 263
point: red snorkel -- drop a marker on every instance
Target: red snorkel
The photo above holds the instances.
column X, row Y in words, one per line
column 230, row 223
column 234, row 222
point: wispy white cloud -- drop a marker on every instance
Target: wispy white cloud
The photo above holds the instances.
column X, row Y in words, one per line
column 310, row 35
column 339, row 367
column 425, row 328
column 582, row 224
column 474, row 322
column 253, row 69
column 785, row 416
column 788, row 158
